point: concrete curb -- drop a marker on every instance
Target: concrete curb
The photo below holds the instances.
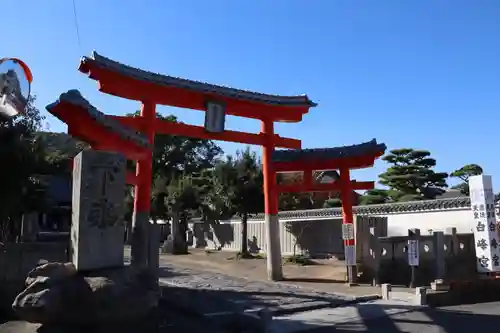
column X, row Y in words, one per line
column 342, row 318
column 419, row 298
column 457, row 294
column 315, row 305
column 366, row 298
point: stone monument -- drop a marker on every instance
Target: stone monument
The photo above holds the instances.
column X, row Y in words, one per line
column 96, row 288
column 98, row 229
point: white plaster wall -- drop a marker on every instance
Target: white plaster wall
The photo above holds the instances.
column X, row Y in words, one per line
column 398, row 224
column 228, row 235
column 327, row 234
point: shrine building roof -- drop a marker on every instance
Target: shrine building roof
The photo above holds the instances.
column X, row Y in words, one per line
column 370, row 148
column 75, row 98
column 196, row 86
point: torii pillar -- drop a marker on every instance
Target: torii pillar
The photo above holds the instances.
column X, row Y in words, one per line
column 142, row 205
column 274, row 269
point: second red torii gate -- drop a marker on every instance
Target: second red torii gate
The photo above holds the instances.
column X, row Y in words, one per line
column 340, row 158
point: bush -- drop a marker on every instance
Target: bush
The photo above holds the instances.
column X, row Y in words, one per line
column 299, row 260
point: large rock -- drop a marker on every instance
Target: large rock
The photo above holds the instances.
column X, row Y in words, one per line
column 19, row 327
column 57, row 294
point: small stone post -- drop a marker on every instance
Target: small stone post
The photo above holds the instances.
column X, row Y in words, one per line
column 29, row 227
column 386, row 290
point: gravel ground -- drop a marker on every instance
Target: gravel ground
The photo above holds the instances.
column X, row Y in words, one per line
column 242, row 292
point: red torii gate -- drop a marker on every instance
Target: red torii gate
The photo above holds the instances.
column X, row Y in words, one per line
column 340, row 158
column 102, row 132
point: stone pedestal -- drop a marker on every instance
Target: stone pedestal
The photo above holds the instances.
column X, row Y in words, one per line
column 56, row 294
column 97, row 230
column 274, row 268
column 352, row 276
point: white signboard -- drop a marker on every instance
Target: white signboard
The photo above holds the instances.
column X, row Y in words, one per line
column 350, row 255
column 485, row 226
column 413, row 253
column 347, row 231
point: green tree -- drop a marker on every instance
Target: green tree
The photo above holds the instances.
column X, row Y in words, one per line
column 27, row 123
column 184, row 195
column 58, row 149
column 243, row 180
column 174, row 156
column 373, row 197
column 180, row 196
column 463, row 174
column 411, row 175
column 332, row 203
column 175, row 159
column 22, row 159
column 306, row 200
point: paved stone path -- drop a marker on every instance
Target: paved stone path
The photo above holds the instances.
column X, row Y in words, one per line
column 352, row 317
column 386, row 317
column 219, row 292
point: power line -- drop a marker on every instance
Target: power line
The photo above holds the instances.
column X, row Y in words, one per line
column 76, row 24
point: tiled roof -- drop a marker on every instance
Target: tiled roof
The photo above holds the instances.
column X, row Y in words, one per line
column 383, row 209
column 203, row 87
column 363, row 149
column 74, row 97
column 451, row 193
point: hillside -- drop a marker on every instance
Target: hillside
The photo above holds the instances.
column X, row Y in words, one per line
column 60, row 144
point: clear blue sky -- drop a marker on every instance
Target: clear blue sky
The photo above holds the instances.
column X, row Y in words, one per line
column 420, row 74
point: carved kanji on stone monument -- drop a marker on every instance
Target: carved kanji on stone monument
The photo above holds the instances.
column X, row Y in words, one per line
column 97, row 231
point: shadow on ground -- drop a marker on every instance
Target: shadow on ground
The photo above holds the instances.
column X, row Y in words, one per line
column 283, row 299
column 166, row 272
column 375, row 318
column 182, row 310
